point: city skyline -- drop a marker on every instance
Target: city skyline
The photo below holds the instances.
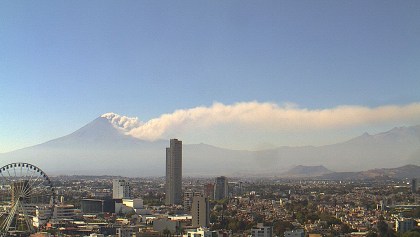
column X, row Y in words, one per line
column 319, row 64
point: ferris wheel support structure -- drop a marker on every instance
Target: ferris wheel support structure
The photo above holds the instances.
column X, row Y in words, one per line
column 24, row 190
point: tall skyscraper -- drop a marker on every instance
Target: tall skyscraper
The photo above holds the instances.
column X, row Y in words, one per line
column 200, row 211
column 414, row 185
column 220, row 188
column 174, row 173
column 120, row 189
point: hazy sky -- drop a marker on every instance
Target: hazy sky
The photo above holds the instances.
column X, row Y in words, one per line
column 64, row 63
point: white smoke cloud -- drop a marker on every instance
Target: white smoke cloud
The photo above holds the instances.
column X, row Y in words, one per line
column 270, row 117
column 123, row 122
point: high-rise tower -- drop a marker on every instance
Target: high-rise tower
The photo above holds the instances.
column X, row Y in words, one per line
column 220, row 188
column 414, row 185
column 173, row 185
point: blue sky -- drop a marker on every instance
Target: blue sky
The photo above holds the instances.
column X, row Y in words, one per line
column 64, row 63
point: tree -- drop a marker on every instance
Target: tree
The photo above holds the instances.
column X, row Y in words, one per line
column 166, row 232
column 280, row 227
column 411, row 234
column 129, row 214
column 416, row 212
column 345, row 228
column 383, row 228
column 213, row 218
column 371, row 234
column 233, row 225
column 242, row 225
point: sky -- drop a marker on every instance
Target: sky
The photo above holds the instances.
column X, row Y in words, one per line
column 228, row 73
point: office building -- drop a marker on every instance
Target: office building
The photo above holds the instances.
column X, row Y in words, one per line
column 200, row 211
column 414, row 185
column 162, row 224
column 120, row 189
column 136, row 203
column 262, row 231
column 403, row 225
column 173, row 185
column 92, row 206
column 188, row 199
column 220, row 188
column 125, row 232
column 64, row 212
column 209, row 190
column 235, row 188
column 205, row 232
column 294, row 233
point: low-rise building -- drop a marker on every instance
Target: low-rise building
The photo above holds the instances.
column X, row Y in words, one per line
column 294, row 233
column 262, row 231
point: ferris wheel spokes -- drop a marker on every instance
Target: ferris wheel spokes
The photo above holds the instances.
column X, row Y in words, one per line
column 26, row 193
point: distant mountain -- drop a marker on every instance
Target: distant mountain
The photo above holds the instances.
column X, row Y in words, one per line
column 306, row 171
column 99, row 148
column 102, row 148
column 404, row 172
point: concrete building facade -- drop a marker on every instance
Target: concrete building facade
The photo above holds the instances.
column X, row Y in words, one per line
column 188, row 199
column 92, row 206
column 200, row 211
column 120, row 189
column 220, row 188
column 414, row 185
column 403, row 225
column 173, row 184
column 294, row 233
column 262, row 231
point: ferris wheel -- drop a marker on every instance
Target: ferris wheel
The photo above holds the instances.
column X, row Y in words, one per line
column 27, row 199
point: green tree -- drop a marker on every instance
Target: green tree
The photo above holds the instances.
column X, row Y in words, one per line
column 279, row 227
column 411, row 234
column 371, row 234
column 166, row 232
column 383, row 228
column 233, row 225
column 416, row 212
column 345, row 228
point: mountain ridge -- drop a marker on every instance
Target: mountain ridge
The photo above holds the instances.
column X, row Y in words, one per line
column 100, row 146
column 404, row 172
column 306, row 171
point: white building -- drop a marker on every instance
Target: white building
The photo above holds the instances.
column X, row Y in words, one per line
column 136, row 203
column 294, row 233
column 42, row 215
column 125, row 206
column 120, row 189
column 204, row 232
column 96, row 235
column 262, row 231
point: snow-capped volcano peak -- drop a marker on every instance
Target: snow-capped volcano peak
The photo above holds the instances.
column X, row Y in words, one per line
column 122, row 122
